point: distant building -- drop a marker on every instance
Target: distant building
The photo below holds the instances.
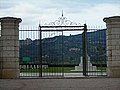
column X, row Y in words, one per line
column 74, row 49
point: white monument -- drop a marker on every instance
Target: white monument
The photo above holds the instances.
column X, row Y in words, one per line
column 80, row 66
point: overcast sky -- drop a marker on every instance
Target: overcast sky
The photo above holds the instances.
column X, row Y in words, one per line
column 34, row 12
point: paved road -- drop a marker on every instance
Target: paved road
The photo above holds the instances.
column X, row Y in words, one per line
column 61, row 84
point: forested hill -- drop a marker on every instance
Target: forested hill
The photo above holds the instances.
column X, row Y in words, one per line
column 68, row 46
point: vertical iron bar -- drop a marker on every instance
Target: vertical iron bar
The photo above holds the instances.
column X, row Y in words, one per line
column 85, row 66
column 62, row 57
column 40, row 52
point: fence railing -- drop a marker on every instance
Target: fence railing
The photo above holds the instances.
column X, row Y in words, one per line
column 62, row 52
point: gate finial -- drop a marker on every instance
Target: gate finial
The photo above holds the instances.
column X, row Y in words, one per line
column 39, row 23
column 62, row 13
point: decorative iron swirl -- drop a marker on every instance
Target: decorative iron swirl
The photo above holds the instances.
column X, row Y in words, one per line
column 62, row 21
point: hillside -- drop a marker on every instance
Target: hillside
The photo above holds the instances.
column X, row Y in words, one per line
column 67, row 47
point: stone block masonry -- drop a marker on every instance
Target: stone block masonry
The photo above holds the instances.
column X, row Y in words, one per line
column 113, row 46
column 9, row 47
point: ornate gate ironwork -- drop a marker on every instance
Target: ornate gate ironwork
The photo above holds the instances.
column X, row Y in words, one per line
column 49, row 52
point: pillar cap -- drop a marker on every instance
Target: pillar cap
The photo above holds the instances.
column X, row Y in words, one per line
column 112, row 19
column 10, row 18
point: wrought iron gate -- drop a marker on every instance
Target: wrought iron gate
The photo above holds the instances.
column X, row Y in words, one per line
column 50, row 52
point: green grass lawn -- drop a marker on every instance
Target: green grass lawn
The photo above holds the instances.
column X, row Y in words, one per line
column 101, row 68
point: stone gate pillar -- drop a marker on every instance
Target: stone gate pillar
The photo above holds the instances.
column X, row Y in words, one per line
column 9, row 46
column 113, row 46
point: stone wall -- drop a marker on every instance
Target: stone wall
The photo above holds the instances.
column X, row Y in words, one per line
column 9, row 55
column 113, row 46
